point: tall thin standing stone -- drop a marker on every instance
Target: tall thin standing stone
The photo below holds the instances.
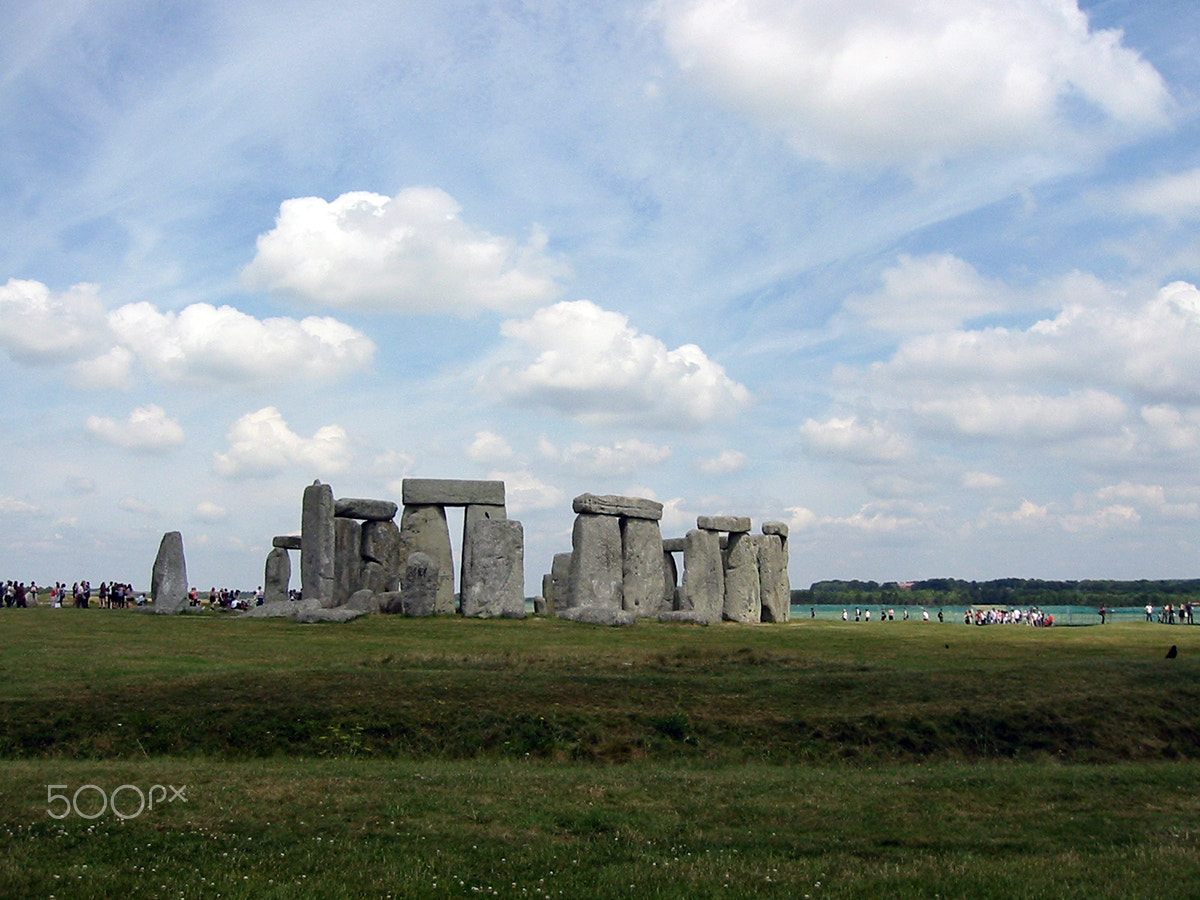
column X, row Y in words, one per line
column 670, row 581
column 782, row 591
column 494, row 584
column 743, row 602
column 642, row 566
column 772, row 578
column 703, row 575
column 423, row 529
column 277, row 575
column 473, row 515
column 560, row 583
column 596, row 567
column 347, row 558
column 168, row 578
column 317, row 544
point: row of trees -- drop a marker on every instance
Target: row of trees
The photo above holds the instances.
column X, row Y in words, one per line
column 1007, row 592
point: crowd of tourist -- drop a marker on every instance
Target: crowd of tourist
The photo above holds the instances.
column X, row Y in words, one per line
column 995, row 616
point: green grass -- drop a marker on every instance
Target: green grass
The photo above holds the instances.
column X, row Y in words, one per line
column 443, row 757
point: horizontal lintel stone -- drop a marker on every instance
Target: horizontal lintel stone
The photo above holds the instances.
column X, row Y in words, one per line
column 370, row 510
column 734, row 524
column 674, row 545
column 286, row 541
column 451, row 492
column 611, row 505
column 779, row 528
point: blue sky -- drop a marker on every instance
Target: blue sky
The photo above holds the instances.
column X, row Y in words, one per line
column 918, row 279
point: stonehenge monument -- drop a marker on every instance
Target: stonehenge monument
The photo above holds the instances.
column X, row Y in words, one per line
column 355, row 558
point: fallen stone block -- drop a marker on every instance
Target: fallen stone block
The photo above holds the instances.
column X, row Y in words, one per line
column 598, row 615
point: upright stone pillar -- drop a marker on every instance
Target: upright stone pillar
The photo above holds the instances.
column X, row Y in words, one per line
column 423, row 529
column 743, row 602
column 277, row 575
column 703, row 575
column 347, row 558
column 596, row 569
column 774, row 581
column 473, row 515
column 317, row 545
column 560, row 583
column 494, row 583
column 168, row 577
column 642, row 565
column 419, row 585
column 381, row 544
column 670, row 582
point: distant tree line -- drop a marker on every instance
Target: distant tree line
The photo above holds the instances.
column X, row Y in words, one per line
column 1006, row 592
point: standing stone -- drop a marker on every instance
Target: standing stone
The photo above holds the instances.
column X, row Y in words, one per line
column 560, row 583
column 494, row 584
column 642, row 566
column 420, row 585
column 347, row 558
column 670, row 597
column 168, row 578
column 743, row 602
column 596, row 569
column 472, row 516
column 774, row 586
column 317, row 544
column 381, row 544
column 703, row 575
column 540, row 604
column 277, row 575
column 423, row 529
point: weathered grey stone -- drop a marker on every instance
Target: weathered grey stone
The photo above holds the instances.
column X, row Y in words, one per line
column 743, row 603
column 277, row 575
column 287, row 542
column 391, row 602
column 734, row 524
column 423, row 529
column 375, row 578
column 168, row 577
column 670, row 583
column 779, row 528
column 451, row 492
column 494, row 584
column 612, row 505
column 642, row 566
column 472, row 516
column 687, row 616
column 381, row 544
column 368, row 510
column 540, row 604
column 703, row 575
column 365, row 600
column 420, row 585
column 599, row 615
column 596, row 570
column 347, row 558
column 774, row 587
column 674, row 545
column 340, row 614
column 273, row 609
column 560, row 583
column 317, row 544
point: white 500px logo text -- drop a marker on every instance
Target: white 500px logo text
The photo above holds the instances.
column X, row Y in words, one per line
column 129, row 794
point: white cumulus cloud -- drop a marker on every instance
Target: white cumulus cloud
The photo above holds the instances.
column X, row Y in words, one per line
column 408, row 253
column 906, row 82
column 41, row 327
column 724, row 462
column 620, row 458
column 850, row 439
column 261, row 444
column 489, row 447
column 146, row 429
column 590, row 363
column 524, row 491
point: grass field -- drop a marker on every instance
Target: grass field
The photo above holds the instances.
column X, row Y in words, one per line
column 443, row 757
